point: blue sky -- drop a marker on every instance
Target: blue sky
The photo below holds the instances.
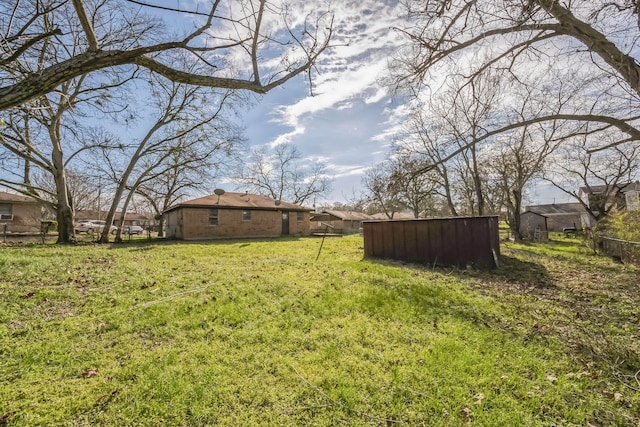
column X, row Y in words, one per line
column 346, row 123
column 350, row 121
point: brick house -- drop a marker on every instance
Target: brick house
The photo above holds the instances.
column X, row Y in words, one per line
column 20, row 214
column 232, row 215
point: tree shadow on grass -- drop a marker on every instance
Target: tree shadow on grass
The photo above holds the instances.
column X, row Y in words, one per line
column 146, row 244
column 510, row 271
column 577, row 302
column 514, row 276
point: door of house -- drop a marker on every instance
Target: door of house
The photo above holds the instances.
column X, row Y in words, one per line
column 285, row 223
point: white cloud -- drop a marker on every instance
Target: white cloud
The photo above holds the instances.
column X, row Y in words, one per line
column 340, row 171
column 351, row 69
column 340, row 122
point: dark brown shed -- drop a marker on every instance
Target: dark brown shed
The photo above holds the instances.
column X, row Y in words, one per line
column 460, row 241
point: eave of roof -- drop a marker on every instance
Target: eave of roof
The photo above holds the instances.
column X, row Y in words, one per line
column 16, row 198
column 348, row 215
column 239, row 201
column 557, row 209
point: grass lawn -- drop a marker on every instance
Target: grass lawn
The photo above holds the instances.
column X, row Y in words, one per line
column 259, row 332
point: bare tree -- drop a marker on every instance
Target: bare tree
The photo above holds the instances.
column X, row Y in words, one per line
column 381, row 190
column 515, row 160
column 445, row 129
column 45, row 136
column 600, row 174
column 284, row 174
column 424, row 136
column 581, row 48
column 130, row 33
column 415, row 190
column 190, row 126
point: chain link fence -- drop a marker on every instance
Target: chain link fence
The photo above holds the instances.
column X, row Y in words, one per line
column 623, row 250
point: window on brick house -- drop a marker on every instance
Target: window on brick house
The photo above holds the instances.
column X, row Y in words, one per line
column 213, row 216
column 5, row 208
column 6, row 211
column 246, row 215
column 300, row 216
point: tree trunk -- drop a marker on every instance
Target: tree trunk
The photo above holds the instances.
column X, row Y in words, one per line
column 596, row 42
column 517, row 206
column 447, row 192
column 161, row 227
column 477, row 183
column 64, row 210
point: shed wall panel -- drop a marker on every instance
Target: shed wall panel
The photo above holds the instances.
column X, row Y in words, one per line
column 465, row 241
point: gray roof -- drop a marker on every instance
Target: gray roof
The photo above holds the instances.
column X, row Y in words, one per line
column 557, row 209
column 396, row 215
column 622, row 187
column 15, row 198
column 349, row 215
column 239, row 201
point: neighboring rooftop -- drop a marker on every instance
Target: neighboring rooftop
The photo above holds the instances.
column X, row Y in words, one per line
column 348, row 215
column 396, row 215
column 557, row 209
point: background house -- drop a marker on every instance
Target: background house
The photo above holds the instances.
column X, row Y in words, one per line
column 20, row 214
column 130, row 218
column 235, row 215
column 609, row 196
column 631, row 194
column 380, row 216
column 563, row 215
column 342, row 222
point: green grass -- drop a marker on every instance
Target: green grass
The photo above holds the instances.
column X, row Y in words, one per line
column 257, row 332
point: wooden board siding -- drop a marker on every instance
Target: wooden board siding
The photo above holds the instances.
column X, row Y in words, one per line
column 451, row 242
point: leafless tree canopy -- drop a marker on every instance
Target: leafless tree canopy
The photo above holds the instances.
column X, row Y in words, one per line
column 232, row 45
column 577, row 59
column 284, row 174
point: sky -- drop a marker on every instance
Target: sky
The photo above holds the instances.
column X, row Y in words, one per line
column 348, row 123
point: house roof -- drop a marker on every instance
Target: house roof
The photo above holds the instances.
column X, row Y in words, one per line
column 349, row 215
column 599, row 189
column 557, row 209
column 533, row 213
column 239, row 201
column 15, row 198
column 396, row 215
